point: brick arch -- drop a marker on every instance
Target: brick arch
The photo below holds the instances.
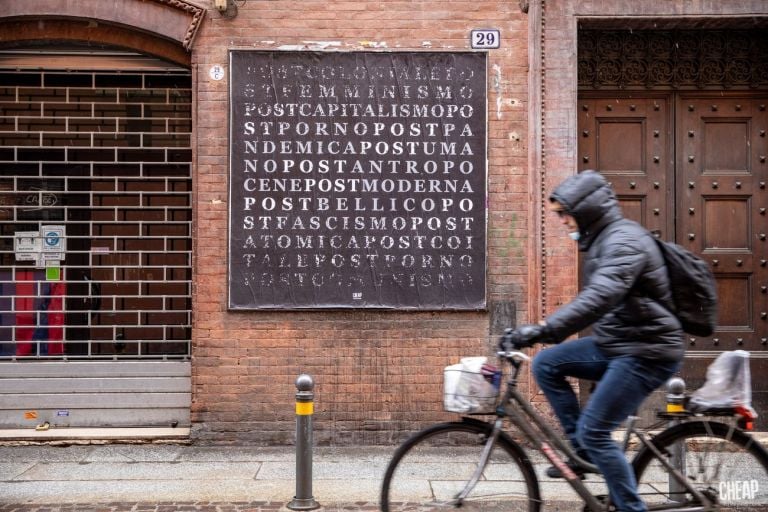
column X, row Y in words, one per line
column 164, row 28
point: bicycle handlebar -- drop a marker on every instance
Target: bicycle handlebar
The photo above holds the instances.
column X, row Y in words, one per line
column 510, row 343
column 513, row 355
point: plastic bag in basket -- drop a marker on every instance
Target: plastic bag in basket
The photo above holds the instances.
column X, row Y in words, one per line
column 471, row 386
column 728, row 383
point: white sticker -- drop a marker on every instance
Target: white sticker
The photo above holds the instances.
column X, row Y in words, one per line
column 27, row 245
column 26, row 241
column 216, row 72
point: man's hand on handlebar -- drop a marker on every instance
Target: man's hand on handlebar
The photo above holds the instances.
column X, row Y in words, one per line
column 524, row 336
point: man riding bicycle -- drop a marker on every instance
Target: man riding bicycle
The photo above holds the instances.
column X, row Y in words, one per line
column 636, row 342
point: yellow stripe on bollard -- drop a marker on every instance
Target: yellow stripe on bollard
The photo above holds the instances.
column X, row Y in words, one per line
column 675, row 408
column 304, row 408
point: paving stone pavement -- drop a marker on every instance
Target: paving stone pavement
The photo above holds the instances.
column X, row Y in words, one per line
column 204, row 506
column 254, row 506
column 183, row 478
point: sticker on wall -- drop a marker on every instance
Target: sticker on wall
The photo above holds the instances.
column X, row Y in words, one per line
column 53, row 273
column 54, row 242
column 27, row 245
column 30, row 415
column 216, row 72
column 62, row 413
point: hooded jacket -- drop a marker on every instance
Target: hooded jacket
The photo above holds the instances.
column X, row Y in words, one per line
column 626, row 294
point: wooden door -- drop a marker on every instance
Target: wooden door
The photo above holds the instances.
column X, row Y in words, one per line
column 721, row 208
column 691, row 167
column 629, row 140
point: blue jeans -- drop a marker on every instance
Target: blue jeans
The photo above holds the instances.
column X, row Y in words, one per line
column 623, row 383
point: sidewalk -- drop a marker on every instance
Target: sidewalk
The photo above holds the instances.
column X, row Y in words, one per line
column 175, row 477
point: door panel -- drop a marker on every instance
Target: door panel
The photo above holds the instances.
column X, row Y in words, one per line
column 691, row 167
column 629, row 141
column 721, row 175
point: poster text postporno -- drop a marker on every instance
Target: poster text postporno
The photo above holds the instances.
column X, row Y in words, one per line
column 357, row 180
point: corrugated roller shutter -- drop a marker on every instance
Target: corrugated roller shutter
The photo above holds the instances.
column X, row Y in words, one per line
column 95, row 239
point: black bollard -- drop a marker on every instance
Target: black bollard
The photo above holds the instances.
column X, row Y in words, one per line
column 304, row 409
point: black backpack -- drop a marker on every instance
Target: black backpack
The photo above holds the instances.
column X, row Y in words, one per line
column 694, row 291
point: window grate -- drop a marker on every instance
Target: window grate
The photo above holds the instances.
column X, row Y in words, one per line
column 105, row 158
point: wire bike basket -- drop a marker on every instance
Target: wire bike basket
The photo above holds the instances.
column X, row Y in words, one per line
column 471, row 386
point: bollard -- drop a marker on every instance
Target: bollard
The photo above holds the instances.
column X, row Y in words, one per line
column 675, row 404
column 675, row 395
column 303, row 500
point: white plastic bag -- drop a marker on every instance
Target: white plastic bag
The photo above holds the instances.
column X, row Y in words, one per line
column 728, row 383
column 468, row 388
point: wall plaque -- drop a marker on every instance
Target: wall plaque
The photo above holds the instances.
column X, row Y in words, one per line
column 357, row 180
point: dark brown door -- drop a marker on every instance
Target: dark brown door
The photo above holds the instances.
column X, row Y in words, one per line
column 630, row 141
column 721, row 208
column 691, row 167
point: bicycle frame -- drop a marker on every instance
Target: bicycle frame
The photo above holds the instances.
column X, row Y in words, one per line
column 521, row 414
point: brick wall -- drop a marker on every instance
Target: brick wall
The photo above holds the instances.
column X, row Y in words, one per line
column 378, row 373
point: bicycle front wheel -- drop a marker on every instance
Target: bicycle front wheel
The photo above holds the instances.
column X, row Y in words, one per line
column 721, row 461
column 431, row 468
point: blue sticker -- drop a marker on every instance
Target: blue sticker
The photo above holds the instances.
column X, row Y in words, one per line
column 52, row 238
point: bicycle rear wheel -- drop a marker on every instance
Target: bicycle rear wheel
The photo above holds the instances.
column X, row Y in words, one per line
column 433, row 466
column 722, row 461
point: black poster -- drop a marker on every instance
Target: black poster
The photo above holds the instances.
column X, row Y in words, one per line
column 357, row 180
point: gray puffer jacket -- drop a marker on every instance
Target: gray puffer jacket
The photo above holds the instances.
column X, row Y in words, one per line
column 626, row 292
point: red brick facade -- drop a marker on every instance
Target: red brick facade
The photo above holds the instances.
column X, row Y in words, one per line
column 378, row 373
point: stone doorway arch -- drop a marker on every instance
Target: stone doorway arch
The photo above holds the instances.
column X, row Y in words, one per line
column 162, row 28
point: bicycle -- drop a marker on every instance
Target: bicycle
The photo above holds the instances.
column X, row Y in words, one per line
column 695, row 465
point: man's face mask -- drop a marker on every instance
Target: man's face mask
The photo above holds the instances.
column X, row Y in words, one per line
column 567, row 220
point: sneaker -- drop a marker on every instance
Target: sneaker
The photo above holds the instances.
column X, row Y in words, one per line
column 553, row 472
